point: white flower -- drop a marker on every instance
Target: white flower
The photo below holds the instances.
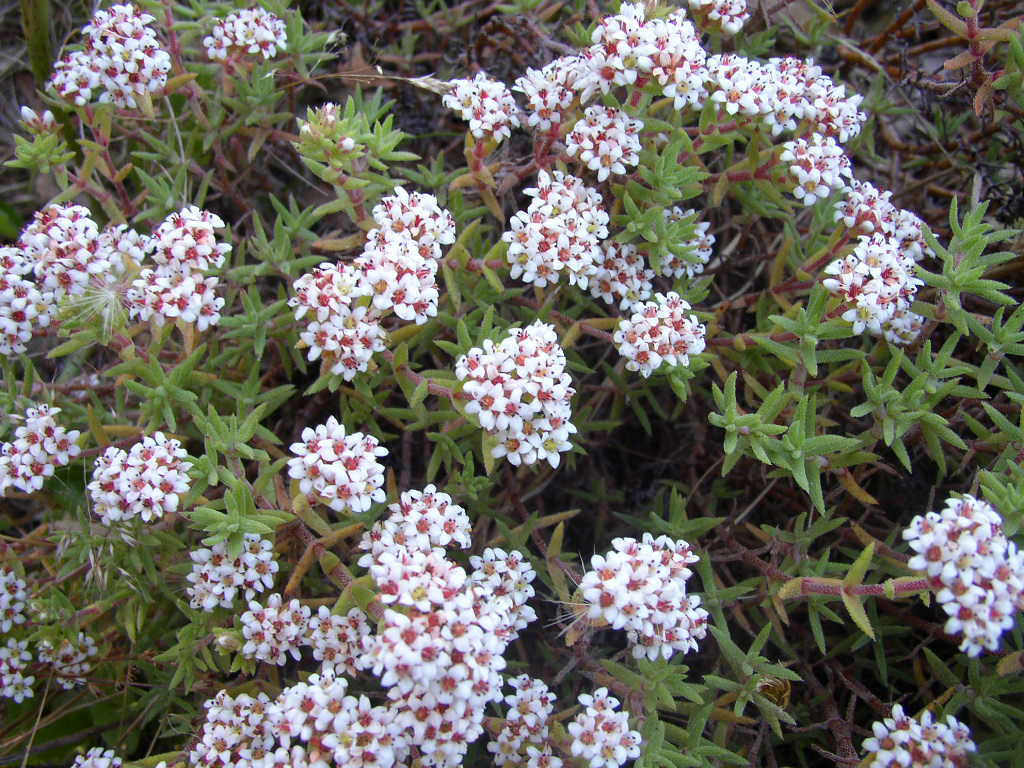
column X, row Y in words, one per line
column 562, row 229
column 341, row 470
column 40, row 446
column 247, row 32
column 977, row 571
column 640, row 586
column 14, row 661
column 274, row 631
column 97, row 757
column 216, row 579
column 535, row 394
column 606, row 140
column 146, row 481
column 601, row 735
column 122, row 60
column 659, row 332
column 908, row 742
column 70, row 660
column 486, row 104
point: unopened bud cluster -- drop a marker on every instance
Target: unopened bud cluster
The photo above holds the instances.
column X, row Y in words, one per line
column 40, row 446
column 217, row 578
column 341, row 470
column 122, row 60
column 146, row 481
column 253, row 31
column 977, row 571
column 910, row 742
column 640, row 586
column 343, row 304
column 659, row 332
column 520, row 393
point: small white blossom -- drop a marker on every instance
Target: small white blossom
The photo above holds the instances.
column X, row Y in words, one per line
column 70, row 661
column 909, row 742
column 977, row 571
column 341, row 470
column 600, row 734
column 530, row 416
column 274, row 631
column 606, row 140
column 40, row 445
column 146, row 481
column 640, row 586
column 97, row 757
column 122, row 60
column 216, row 578
column 14, row 661
column 560, row 231
column 250, row 31
column 659, row 332
column 486, row 104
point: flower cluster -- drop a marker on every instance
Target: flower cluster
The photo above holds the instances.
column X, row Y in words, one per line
column 40, row 445
column 622, row 277
column 12, row 599
column 441, row 656
column 421, row 520
column 338, row 641
column 251, row 31
column 217, row 578
column 910, row 742
column 659, row 332
column 561, row 229
column 819, row 167
column 97, row 757
column 122, row 60
column 340, row 470
column 606, row 140
column 418, row 216
column 977, row 570
column 344, row 335
column 600, row 733
column 523, row 738
column 486, row 104
column 234, row 733
column 640, row 586
column 396, row 272
column 549, row 93
column 520, row 393
column 184, row 247
column 23, row 306
column 877, row 280
column 62, row 245
column 273, row 631
column 146, row 481
column 697, row 250
column 15, row 658
column 730, row 15
column 878, row 277
column 70, row 660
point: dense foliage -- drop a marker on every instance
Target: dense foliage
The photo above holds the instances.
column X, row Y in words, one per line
column 533, row 384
